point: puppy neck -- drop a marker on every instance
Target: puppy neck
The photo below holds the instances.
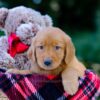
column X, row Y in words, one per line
column 57, row 71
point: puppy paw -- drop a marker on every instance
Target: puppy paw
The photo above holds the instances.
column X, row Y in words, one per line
column 70, row 81
column 71, row 87
column 14, row 71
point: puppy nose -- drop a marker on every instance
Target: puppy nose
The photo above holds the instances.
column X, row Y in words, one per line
column 48, row 62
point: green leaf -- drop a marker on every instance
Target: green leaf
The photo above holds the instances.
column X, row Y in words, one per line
column 2, row 32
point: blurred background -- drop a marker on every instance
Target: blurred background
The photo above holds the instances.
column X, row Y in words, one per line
column 78, row 18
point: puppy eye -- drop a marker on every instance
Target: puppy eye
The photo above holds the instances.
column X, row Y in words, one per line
column 41, row 47
column 57, row 47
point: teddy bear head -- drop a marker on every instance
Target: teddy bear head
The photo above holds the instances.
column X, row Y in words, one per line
column 24, row 22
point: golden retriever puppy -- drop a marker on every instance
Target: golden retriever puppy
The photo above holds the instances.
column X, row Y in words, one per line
column 52, row 52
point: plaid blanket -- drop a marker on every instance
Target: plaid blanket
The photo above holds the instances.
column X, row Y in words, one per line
column 41, row 87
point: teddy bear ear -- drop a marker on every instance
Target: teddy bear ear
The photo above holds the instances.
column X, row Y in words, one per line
column 3, row 16
column 47, row 20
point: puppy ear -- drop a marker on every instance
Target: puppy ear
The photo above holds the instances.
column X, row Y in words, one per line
column 69, row 49
column 31, row 51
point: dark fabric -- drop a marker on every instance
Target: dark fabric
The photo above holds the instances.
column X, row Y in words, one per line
column 40, row 87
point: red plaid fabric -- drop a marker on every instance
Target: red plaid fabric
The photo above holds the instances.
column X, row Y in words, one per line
column 41, row 87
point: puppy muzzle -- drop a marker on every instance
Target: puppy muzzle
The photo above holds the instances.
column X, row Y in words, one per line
column 47, row 62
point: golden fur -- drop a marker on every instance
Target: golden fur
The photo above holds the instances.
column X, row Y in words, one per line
column 53, row 43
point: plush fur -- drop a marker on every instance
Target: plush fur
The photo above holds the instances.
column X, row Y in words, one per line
column 25, row 23
column 56, row 45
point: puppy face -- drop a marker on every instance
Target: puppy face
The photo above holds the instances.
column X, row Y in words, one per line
column 49, row 48
column 49, row 51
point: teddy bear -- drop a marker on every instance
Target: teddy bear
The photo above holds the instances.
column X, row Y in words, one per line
column 20, row 25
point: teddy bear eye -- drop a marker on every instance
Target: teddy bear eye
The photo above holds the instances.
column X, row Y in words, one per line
column 22, row 21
